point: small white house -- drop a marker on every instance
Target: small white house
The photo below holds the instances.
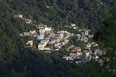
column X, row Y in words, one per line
column 30, row 42
column 19, row 15
column 73, row 25
column 33, row 31
column 28, row 21
column 88, row 45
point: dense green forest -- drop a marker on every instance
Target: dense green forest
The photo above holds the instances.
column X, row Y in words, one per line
column 17, row 61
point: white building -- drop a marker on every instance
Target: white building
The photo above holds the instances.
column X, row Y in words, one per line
column 48, row 28
column 42, row 30
column 33, row 31
column 88, row 45
column 28, row 21
column 86, row 32
column 30, row 42
column 41, row 46
column 26, row 34
column 19, row 15
column 73, row 25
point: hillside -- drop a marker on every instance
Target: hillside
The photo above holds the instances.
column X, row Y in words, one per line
column 15, row 60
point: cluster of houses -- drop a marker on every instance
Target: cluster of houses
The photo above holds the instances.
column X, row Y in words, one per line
column 48, row 36
column 72, row 26
column 29, row 33
column 50, row 41
column 80, row 56
column 56, row 39
column 28, row 21
column 85, row 35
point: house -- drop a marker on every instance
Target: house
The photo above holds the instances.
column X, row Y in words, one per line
column 33, row 31
column 96, row 57
column 40, row 27
column 75, row 53
column 72, row 25
column 57, row 39
column 77, row 48
column 63, row 43
column 89, row 30
column 48, row 28
column 90, row 35
column 42, row 30
column 86, row 59
column 26, row 34
column 98, row 52
column 41, row 46
column 51, row 35
column 65, row 32
column 72, row 34
column 86, row 53
column 78, row 60
column 75, row 27
column 95, row 45
column 35, row 35
column 66, row 36
column 57, row 44
column 21, row 34
column 47, row 38
column 28, row 21
column 40, row 37
column 19, row 15
column 101, row 62
column 86, row 48
column 70, row 60
column 66, row 41
column 47, row 7
column 86, row 32
column 57, row 49
column 82, row 33
column 52, row 41
column 88, row 45
column 66, row 57
column 85, row 39
column 30, row 42
column 101, row 3
column 36, row 25
column 60, row 34
column 47, row 32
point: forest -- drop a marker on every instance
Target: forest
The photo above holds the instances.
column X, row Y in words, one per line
column 18, row 61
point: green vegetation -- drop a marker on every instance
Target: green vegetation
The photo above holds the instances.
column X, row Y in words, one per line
column 17, row 61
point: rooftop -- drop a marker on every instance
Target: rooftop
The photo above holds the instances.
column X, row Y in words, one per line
column 40, row 43
column 74, row 51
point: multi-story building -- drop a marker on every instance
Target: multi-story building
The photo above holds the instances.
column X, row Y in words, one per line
column 42, row 44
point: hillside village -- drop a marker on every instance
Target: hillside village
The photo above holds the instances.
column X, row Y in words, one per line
column 51, row 41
